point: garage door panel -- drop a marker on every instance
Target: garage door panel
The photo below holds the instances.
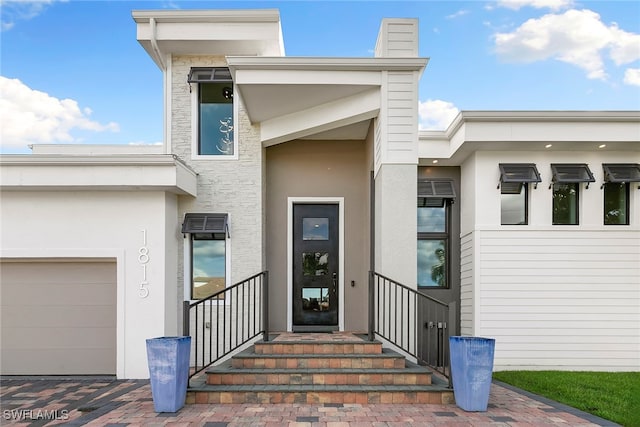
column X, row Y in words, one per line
column 59, row 361
column 41, row 294
column 34, row 272
column 58, row 318
column 58, row 338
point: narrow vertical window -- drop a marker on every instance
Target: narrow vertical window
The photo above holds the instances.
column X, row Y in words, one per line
column 514, row 191
column 513, row 205
column 208, row 265
column 565, row 204
column 617, row 183
column 434, row 200
column 616, row 203
column 207, row 234
column 216, row 119
column 215, row 125
column 566, row 179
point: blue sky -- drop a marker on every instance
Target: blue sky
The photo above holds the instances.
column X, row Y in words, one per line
column 73, row 71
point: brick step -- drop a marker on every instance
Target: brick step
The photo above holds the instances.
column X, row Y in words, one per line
column 250, row 359
column 318, row 347
column 336, row 394
column 226, row 374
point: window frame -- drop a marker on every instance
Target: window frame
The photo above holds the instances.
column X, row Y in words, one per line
column 615, row 173
column 437, row 193
column 521, row 174
column 524, row 186
column 221, row 229
column 194, row 85
column 627, row 195
column 569, row 174
column 577, row 203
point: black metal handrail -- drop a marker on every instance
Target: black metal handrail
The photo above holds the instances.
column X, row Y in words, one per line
column 416, row 323
column 225, row 321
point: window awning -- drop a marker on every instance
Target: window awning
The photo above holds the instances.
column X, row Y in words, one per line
column 570, row 173
column 621, row 172
column 433, row 193
column 514, row 175
column 209, row 75
column 211, row 223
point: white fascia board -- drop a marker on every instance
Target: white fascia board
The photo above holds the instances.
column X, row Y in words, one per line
column 518, row 130
column 94, row 149
column 204, row 31
column 211, row 15
column 307, row 77
column 92, row 173
column 325, row 63
column 346, row 111
column 553, row 132
column 251, row 32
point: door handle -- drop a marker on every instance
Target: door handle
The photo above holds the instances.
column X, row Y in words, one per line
column 335, row 281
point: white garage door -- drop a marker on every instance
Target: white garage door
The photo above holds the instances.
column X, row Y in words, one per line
column 57, row 317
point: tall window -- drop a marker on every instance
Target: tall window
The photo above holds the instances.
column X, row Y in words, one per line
column 514, row 189
column 617, row 182
column 215, row 111
column 207, row 234
column 434, row 200
column 616, row 203
column 566, row 179
column 565, row 204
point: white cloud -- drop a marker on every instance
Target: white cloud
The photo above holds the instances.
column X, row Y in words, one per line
column 577, row 37
column 29, row 116
column 21, row 10
column 436, row 114
column 632, row 76
column 537, row 4
column 457, row 14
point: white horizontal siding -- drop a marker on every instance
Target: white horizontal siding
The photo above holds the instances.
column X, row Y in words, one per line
column 396, row 135
column 401, row 39
column 557, row 299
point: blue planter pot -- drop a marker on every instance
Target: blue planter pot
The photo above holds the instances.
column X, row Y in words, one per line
column 168, row 359
column 471, row 370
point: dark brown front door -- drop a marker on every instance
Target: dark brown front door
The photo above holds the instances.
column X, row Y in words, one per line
column 315, row 267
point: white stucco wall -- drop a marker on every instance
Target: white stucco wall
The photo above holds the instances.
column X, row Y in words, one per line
column 396, row 223
column 106, row 224
column 553, row 297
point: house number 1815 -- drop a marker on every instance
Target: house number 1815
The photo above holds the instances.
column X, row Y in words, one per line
column 143, row 259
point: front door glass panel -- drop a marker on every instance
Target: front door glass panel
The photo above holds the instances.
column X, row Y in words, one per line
column 316, row 299
column 315, row 263
column 315, row 228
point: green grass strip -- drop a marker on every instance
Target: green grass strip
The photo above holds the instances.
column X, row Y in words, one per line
column 614, row 396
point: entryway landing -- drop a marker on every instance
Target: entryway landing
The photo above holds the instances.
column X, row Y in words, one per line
column 339, row 367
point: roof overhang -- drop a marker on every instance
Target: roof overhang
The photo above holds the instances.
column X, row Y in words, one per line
column 209, row 32
column 106, row 172
column 296, row 98
column 529, row 131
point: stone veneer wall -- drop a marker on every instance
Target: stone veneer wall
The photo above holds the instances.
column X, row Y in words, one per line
column 224, row 186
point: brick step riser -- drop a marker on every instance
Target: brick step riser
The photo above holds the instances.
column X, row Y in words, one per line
column 434, row 397
column 319, row 363
column 319, row 379
column 337, row 348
